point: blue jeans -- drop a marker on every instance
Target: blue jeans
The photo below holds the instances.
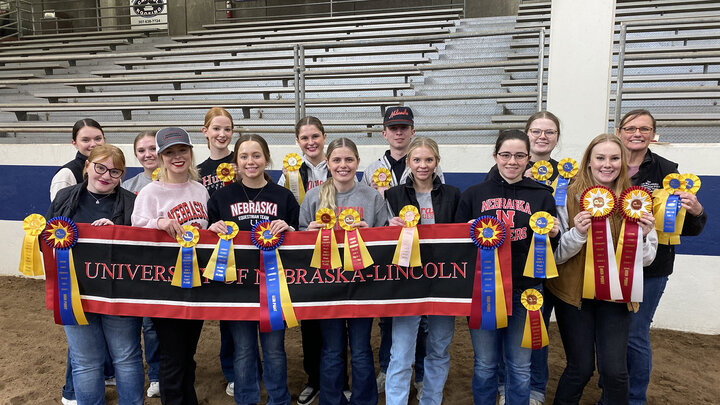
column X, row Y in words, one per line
column 364, row 386
column 639, row 354
column 68, row 390
column 597, row 328
column 492, row 345
column 247, row 373
column 227, row 355
column 440, row 330
column 87, row 344
column 152, row 355
column 386, row 339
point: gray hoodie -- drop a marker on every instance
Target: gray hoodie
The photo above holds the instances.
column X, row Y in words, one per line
column 364, row 199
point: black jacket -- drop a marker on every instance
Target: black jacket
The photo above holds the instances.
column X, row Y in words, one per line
column 76, row 166
column 650, row 175
column 444, row 197
column 66, row 203
column 513, row 203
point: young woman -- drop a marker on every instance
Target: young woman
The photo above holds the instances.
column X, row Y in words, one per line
column 254, row 185
column 437, row 204
column 156, row 207
column 218, row 129
column 521, row 197
column 589, row 327
column 99, row 200
column 647, row 169
column 338, row 193
column 86, row 135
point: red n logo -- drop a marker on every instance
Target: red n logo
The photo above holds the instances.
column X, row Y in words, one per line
column 507, row 218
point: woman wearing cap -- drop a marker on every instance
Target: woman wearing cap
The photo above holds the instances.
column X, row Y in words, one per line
column 155, row 207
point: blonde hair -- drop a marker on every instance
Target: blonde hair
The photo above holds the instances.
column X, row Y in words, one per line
column 193, row 173
column 424, row 141
column 103, row 152
column 327, row 190
column 217, row 112
column 584, row 178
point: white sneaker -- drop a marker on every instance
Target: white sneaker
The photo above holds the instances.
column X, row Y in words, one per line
column 308, row 395
column 501, row 400
column 347, row 394
column 110, row 382
column 381, row 382
column 154, row 389
column 534, row 402
column 66, row 401
column 230, row 389
column 418, row 387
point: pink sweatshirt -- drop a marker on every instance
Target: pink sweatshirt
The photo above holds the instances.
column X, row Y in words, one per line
column 186, row 202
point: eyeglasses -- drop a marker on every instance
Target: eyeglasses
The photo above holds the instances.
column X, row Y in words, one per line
column 505, row 156
column 643, row 130
column 538, row 132
column 101, row 169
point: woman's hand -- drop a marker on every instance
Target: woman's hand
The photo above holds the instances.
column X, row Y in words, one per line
column 690, row 202
column 278, row 226
column 315, row 226
column 396, row 221
column 582, row 221
column 218, row 227
column 647, row 223
column 171, row 226
column 555, row 229
column 102, row 222
column 361, row 224
column 528, row 173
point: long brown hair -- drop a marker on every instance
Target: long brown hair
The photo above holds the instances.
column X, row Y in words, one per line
column 327, row 190
column 263, row 146
column 584, row 178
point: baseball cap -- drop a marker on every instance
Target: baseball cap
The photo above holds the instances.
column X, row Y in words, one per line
column 168, row 137
column 398, row 116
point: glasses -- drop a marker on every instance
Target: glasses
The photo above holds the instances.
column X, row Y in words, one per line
column 538, row 132
column 102, row 169
column 643, row 130
column 505, row 156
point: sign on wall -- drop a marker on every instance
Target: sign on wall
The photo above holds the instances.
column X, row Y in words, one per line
column 148, row 14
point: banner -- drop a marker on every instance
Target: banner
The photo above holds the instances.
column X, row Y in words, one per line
column 127, row 271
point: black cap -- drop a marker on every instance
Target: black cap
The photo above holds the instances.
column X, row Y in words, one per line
column 398, row 116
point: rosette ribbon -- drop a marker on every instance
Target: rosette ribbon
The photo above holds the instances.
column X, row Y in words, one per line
column 540, row 262
column 221, row 266
column 356, row 255
column 535, row 334
column 292, row 163
column 601, row 279
column 187, row 271
column 326, row 254
column 692, row 183
column 275, row 299
column 487, row 308
column 542, row 171
column 155, row 174
column 61, row 234
column 567, row 169
column 634, row 201
column 30, row 256
column 226, row 173
column 407, row 251
column 667, row 208
column 381, row 178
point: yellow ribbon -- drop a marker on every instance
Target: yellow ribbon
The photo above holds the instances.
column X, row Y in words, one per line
column 532, row 300
column 567, row 168
column 188, row 239
column 542, row 170
column 692, row 183
column 292, row 163
column 30, row 256
column 541, row 223
column 408, row 255
column 660, row 197
column 155, row 174
column 326, row 217
column 356, row 255
column 230, row 269
column 287, row 307
column 225, row 172
column 75, row 296
column 382, row 177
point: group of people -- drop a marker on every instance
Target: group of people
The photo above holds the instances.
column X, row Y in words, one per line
column 89, row 189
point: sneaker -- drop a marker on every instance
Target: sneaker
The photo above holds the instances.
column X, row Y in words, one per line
column 230, row 389
column 418, row 388
column 381, row 382
column 308, row 395
column 501, row 400
column 534, row 402
column 66, row 401
column 110, row 381
column 347, row 394
column 154, row 389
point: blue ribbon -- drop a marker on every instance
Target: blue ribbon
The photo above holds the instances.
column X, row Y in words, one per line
column 487, row 274
column 187, row 267
column 561, row 191
column 62, row 257
column 671, row 210
column 222, row 259
column 272, row 284
column 540, row 249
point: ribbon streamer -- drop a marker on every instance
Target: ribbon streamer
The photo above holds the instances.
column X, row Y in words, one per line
column 292, row 163
column 30, row 256
column 540, row 262
column 221, row 266
column 326, row 254
column 634, row 202
column 356, row 254
column 535, row 334
column 488, row 309
column 567, row 169
column 601, row 278
column 407, row 252
column 187, row 271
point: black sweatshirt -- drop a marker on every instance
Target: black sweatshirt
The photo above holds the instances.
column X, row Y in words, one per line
column 272, row 202
column 208, row 173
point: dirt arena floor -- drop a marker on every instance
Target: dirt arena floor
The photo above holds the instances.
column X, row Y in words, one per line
column 687, row 366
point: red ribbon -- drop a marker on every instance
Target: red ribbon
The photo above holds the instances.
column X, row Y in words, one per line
column 505, row 258
column 476, row 304
column 325, row 248
column 600, row 259
column 535, row 329
column 627, row 258
column 264, row 310
column 354, row 245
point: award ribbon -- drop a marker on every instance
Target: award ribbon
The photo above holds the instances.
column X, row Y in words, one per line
column 535, row 334
column 155, row 174
column 542, row 170
column 567, row 169
column 671, row 183
column 692, row 183
column 221, row 266
column 356, row 256
column 226, row 173
column 487, row 308
column 407, row 252
column 61, row 234
column 292, row 163
column 326, row 254
column 187, row 271
column 634, row 201
column 274, row 294
column 30, row 256
column 381, row 178
column 540, row 261
column 601, row 279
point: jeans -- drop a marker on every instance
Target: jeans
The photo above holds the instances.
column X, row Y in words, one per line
column 364, row 386
column 87, row 344
column 68, row 390
column 600, row 327
column 639, row 354
column 440, row 330
column 152, row 355
column 492, row 345
column 386, row 328
column 227, row 355
column 178, row 342
column 247, row 374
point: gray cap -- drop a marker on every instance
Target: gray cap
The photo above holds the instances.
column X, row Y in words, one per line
column 168, row 137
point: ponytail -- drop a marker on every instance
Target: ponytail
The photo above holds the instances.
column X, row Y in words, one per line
column 327, row 195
